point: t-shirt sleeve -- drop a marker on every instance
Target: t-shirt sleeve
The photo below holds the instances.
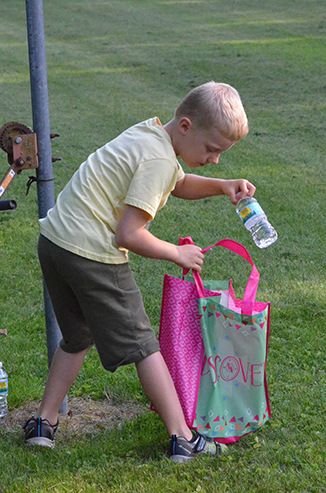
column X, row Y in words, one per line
column 152, row 184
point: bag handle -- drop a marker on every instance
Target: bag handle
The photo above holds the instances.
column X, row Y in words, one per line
column 252, row 285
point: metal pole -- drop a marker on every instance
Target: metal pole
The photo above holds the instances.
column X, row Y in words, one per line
column 41, row 126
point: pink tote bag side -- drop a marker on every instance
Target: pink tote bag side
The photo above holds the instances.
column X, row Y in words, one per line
column 181, row 341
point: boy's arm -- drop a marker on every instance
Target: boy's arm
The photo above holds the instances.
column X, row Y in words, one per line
column 133, row 235
column 193, row 187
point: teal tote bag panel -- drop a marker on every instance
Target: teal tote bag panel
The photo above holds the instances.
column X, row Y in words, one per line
column 232, row 397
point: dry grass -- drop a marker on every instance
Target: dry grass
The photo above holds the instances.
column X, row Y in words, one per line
column 84, row 415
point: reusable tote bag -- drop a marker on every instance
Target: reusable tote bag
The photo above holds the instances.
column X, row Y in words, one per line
column 230, row 387
column 233, row 396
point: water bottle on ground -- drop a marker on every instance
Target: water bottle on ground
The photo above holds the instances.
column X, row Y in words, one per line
column 255, row 220
column 3, row 392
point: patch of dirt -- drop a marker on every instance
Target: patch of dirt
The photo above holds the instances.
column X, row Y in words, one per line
column 84, row 415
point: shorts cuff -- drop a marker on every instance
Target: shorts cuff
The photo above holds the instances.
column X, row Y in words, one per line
column 75, row 349
column 135, row 357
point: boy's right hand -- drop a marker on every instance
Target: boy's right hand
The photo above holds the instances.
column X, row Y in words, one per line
column 189, row 257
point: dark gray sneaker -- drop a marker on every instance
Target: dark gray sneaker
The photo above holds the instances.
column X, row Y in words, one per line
column 40, row 432
column 183, row 450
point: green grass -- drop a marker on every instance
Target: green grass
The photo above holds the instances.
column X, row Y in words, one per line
column 110, row 65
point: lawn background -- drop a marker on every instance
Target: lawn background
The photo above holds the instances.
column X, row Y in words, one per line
column 110, row 65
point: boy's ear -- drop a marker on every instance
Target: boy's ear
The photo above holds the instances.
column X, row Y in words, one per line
column 184, row 125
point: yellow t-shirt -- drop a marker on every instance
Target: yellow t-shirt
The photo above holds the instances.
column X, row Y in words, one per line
column 138, row 168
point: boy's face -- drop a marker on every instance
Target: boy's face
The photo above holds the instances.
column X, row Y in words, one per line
column 198, row 147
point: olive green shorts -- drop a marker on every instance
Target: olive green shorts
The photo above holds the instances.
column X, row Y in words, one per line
column 99, row 304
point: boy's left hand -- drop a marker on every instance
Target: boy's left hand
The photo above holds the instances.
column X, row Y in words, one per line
column 238, row 189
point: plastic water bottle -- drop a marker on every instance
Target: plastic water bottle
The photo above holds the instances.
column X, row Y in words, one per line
column 3, row 392
column 255, row 220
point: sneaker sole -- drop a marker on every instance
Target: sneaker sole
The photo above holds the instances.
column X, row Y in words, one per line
column 222, row 450
column 181, row 458
column 41, row 442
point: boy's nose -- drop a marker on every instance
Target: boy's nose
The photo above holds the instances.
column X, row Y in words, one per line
column 215, row 159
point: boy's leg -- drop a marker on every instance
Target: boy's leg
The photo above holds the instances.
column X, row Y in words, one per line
column 159, row 388
column 63, row 372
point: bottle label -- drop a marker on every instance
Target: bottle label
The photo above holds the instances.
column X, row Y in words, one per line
column 250, row 211
column 3, row 386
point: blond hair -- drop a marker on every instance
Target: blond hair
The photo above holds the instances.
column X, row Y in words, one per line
column 215, row 105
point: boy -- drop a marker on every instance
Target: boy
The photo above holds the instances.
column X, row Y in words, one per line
column 83, row 249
